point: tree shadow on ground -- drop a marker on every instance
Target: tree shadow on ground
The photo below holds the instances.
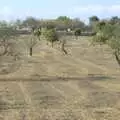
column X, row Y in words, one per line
column 36, row 77
column 89, row 77
column 100, row 77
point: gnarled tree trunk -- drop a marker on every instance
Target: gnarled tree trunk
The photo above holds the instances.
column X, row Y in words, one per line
column 63, row 47
column 117, row 58
column 30, row 51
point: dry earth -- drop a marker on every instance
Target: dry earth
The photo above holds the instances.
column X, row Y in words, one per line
column 83, row 85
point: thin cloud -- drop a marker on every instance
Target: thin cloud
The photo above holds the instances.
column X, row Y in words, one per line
column 82, row 11
column 6, row 13
column 98, row 9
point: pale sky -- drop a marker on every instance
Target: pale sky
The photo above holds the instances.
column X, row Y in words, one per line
column 13, row 9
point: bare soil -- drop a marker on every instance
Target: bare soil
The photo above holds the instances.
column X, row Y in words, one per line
column 83, row 85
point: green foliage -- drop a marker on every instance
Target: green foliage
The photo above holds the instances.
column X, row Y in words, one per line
column 37, row 32
column 7, row 33
column 99, row 39
column 30, row 21
column 94, row 19
column 77, row 32
column 50, row 35
column 63, row 18
column 3, row 24
column 64, row 22
column 100, row 25
column 50, row 25
column 109, row 34
column 104, row 33
column 114, row 20
column 114, row 39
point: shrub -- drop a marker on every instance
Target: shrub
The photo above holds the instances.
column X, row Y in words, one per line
column 77, row 32
column 50, row 35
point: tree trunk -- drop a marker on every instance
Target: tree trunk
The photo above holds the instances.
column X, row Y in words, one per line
column 117, row 58
column 31, row 51
column 63, row 48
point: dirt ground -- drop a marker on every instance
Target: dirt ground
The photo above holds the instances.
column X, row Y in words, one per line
column 83, row 85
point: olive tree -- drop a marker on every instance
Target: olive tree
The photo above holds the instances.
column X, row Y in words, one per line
column 31, row 42
column 109, row 34
column 10, row 53
column 63, row 42
column 6, row 35
column 93, row 20
column 77, row 32
column 50, row 35
column 37, row 32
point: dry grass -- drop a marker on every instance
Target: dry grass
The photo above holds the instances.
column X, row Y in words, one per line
column 84, row 85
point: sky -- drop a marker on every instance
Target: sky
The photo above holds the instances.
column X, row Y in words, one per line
column 50, row 9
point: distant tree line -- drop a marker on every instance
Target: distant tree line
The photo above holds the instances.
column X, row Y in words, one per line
column 62, row 23
column 104, row 31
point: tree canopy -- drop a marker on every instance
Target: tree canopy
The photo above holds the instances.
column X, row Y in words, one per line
column 50, row 35
column 109, row 34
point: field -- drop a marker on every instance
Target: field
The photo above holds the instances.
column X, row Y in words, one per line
column 83, row 85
